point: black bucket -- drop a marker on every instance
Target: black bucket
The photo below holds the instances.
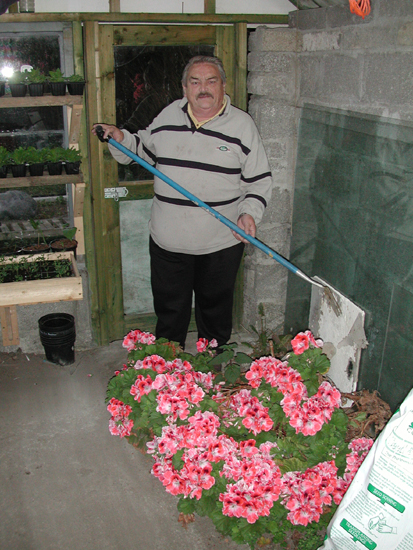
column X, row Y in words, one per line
column 58, row 335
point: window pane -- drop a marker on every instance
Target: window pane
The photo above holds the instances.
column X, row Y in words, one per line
column 31, row 126
column 41, row 52
column 353, row 227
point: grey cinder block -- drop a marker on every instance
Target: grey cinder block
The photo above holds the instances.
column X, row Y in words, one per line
column 279, row 39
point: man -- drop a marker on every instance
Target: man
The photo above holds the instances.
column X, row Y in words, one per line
column 212, row 149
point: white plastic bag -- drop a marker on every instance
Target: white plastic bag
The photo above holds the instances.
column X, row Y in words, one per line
column 376, row 512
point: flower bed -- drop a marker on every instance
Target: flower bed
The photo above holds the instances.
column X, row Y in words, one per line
column 261, row 453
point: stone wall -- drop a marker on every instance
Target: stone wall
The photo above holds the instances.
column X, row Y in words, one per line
column 327, row 57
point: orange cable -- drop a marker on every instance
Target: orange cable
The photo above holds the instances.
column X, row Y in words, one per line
column 360, row 7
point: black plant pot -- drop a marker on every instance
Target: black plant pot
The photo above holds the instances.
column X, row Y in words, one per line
column 36, row 89
column 58, row 88
column 36, row 169
column 55, row 168
column 64, row 245
column 3, row 171
column 18, row 90
column 18, row 170
column 75, row 88
column 72, row 167
column 58, row 335
column 2, row 88
column 40, row 248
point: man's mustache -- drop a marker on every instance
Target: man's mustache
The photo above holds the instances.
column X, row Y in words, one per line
column 203, row 94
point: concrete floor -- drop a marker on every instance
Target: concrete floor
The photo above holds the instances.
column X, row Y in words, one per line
column 66, row 483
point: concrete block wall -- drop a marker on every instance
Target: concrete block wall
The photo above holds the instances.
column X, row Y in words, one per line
column 272, row 81
column 328, row 57
column 354, row 64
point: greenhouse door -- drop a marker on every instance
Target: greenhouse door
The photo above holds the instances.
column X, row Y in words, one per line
column 133, row 72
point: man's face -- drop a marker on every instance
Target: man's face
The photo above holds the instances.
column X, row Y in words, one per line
column 204, row 89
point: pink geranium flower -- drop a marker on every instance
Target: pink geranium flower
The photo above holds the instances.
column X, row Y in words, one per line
column 248, row 448
column 300, row 343
column 303, row 340
column 201, row 345
column 135, row 337
column 119, row 423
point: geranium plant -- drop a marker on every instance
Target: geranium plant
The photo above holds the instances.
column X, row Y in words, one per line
column 261, row 453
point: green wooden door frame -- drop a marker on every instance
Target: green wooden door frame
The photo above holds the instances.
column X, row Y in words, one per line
column 108, row 320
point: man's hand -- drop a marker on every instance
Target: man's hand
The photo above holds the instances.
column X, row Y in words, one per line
column 247, row 223
column 110, row 132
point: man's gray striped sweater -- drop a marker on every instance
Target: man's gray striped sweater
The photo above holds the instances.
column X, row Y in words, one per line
column 223, row 163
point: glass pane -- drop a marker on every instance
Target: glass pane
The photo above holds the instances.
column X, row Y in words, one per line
column 148, row 78
column 134, row 234
column 353, row 227
column 31, row 126
column 36, row 126
column 41, row 52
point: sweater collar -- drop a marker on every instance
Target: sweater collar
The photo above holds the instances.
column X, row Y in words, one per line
column 184, row 106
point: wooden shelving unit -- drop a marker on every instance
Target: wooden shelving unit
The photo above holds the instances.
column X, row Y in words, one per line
column 74, row 105
column 52, row 290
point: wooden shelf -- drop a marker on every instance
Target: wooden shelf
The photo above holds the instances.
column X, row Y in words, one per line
column 47, row 100
column 42, row 291
column 33, row 181
column 36, row 292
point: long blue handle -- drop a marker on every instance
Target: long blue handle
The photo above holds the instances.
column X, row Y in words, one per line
column 271, row 253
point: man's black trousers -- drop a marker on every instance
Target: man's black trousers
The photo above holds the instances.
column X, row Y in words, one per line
column 174, row 278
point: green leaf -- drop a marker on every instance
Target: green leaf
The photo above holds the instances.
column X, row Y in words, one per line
column 177, row 460
column 221, row 522
column 214, row 361
column 232, row 373
column 208, row 404
column 223, row 357
column 243, row 359
column 339, row 419
column 141, row 421
column 277, row 514
column 219, row 378
column 292, row 464
column 360, row 418
column 138, row 439
column 212, row 404
column 186, row 506
column 206, row 505
column 125, row 394
column 151, row 396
